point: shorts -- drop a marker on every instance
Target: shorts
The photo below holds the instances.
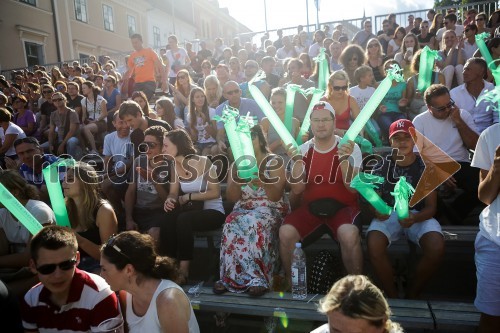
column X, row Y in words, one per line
column 487, row 260
column 394, row 231
column 306, row 223
column 147, row 218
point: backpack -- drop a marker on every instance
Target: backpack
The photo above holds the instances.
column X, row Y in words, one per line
column 323, row 275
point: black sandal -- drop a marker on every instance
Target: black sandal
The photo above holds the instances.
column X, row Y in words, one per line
column 219, row 288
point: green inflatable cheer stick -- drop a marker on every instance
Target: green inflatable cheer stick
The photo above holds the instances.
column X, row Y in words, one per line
column 426, row 67
column 246, row 163
column 274, row 119
column 291, row 89
column 19, row 211
column 317, row 94
column 364, row 145
column 402, row 193
column 372, row 104
column 365, row 184
column 228, row 117
column 373, row 133
column 51, row 176
column 322, row 62
column 481, row 45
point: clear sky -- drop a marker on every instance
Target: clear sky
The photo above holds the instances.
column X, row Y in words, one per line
column 290, row 13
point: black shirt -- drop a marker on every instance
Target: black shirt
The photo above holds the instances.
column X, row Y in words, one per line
column 47, row 108
column 75, row 103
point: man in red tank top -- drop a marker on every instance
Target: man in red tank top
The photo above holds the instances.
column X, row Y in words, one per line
column 323, row 171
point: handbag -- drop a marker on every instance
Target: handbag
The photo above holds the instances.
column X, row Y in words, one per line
column 325, row 207
column 195, row 204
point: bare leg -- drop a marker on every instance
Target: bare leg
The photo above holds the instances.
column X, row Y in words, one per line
column 88, row 132
column 377, row 250
column 432, row 245
column 350, row 244
column 288, row 237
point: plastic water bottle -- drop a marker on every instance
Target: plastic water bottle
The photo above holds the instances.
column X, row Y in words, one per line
column 299, row 277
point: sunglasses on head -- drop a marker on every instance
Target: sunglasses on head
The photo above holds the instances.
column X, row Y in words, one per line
column 339, row 88
column 446, row 107
column 110, row 242
column 50, row 268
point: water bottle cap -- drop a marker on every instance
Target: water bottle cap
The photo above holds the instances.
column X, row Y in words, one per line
column 298, row 245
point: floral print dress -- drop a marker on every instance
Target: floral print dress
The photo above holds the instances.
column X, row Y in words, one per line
column 249, row 246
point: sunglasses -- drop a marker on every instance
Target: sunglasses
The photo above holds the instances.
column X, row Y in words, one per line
column 57, row 99
column 232, row 92
column 47, row 91
column 151, row 144
column 110, row 242
column 372, row 46
column 50, row 268
column 339, row 88
column 182, row 77
column 446, row 107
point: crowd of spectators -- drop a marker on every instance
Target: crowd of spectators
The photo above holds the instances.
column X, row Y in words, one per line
column 153, row 124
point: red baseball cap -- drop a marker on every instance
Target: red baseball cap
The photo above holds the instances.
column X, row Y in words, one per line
column 402, row 125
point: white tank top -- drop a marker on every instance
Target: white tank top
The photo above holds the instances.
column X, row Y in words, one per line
column 149, row 322
column 198, row 185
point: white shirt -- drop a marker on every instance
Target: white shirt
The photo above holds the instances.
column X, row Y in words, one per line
column 15, row 231
column 459, row 30
column 314, row 50
column 283, row 54
column 12, row 129
column 120, row 149
column 90, row 107
column 444, row 134
column 489, row 220
column 469, row 49
column 361, row 95
column 482, row 118
column 176, row 59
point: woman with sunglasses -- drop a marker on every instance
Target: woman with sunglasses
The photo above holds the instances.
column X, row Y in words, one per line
column 391, row 106
column 23, row 117
column 183, row 85
column 426, row 38
column 452, row 59
column 15, row 238
column 92, row 218
column 352, row 58
column 153, row 187
column 375, row 58
column 150, row 298
column 481, row 19
column 249, row 248
column 345, row 106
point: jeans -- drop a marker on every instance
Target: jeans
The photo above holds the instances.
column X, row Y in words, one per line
column 148, row 88
column 72, row 147
column 386, row 119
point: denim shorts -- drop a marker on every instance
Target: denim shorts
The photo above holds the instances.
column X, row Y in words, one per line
column 487, row 260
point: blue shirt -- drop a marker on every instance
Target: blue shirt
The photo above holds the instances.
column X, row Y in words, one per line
column 36, row 179
column 246, row 106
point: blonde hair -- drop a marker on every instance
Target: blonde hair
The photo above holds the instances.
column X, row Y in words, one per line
column 84, row 215
column 337, row 75
column 356, row 297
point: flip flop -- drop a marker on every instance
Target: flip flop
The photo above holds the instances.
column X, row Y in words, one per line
column 257, row 291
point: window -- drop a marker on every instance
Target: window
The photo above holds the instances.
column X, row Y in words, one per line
column 81, row 10
column 29, row 2
column 156, row 37
column 131, row 25
column 108, row 18
column 34, row 54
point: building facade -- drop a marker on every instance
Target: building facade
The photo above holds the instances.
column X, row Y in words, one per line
column 53, row 31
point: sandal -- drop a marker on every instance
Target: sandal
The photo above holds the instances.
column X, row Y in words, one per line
column 257, row 291
column 219, row 288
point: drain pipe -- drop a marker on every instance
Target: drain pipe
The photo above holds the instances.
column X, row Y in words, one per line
column 56, row 31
